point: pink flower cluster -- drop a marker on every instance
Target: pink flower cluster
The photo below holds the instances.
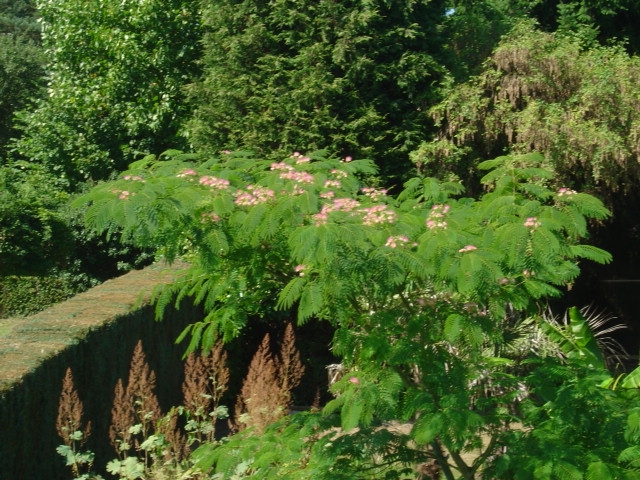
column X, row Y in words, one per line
column 339, row 173
column 374, row 193
column 338, row 205
column 209, row 217
column 190, row 172
column 281, row 166
column 328, row 195
column 290, row 173
column 300, row 269
column 436, row 217
column 253, row 196
column 532, row 223
column 565, row 192
column 343, row 205
column 378, row 214
column 397, row 240
column 300, row 158
column 303, row 160
column 468, row 248
column 298, row 177
column 134, row 178
column 124, row 194
column 214, row 182
column 332, row 184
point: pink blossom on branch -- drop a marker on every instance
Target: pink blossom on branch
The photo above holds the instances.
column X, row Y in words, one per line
column 124, row 194
column 338, row 205
column 254, row 195
column 532, row 223
column 374, row 193
column 397, row 240
column 435, row 220
column 566, row 192
column 134, row 178
column 378, row 214
column 209, row 217
column 190, row 172
column 299, row 177
column 214, row 182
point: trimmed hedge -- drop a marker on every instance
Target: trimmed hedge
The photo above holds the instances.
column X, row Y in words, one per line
column 28, row 295
column 94, row 333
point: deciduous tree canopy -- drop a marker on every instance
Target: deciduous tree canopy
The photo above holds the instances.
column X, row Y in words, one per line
column 116, row 72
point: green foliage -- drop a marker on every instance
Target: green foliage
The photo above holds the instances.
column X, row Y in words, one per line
column 540, row 92
column 474, row 28
column 46, row 254
column 18, row 18
column 21, row 81
column 306, row 446
column 570, row 409
column 78, row 459
column 419, row 288
column 35, row 235
column 351, row 77
column 571, row 405
column 116, row 73
column 24, row 295
column 575, row 340
column 606, row 21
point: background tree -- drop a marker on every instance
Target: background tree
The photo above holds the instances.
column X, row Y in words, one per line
column 19, row 18
column 352, row 77
column 116, row 72
column 35, row 237
column 547, row 93
column 602, row 20
column 473, row 29
column 21, row 65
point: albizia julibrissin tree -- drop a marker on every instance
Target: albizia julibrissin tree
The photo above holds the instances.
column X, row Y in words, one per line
column 426, row 292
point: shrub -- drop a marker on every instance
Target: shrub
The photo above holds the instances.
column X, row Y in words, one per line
column 23, row 296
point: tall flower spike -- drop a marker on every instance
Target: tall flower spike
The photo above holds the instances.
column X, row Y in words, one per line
column 141, row 385
column 70, row 411
column 122, row 417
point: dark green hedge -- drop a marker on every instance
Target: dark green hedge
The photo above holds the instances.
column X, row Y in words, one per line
column 27, row 295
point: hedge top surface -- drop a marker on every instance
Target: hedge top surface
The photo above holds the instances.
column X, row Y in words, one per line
column 26, row 342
